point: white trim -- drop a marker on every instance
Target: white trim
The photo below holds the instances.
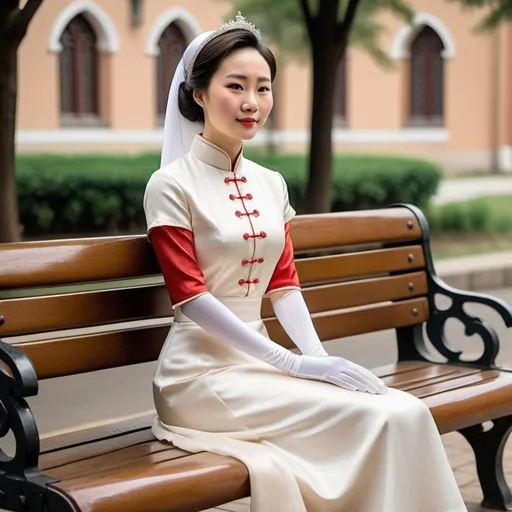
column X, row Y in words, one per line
column 108, row 40
column 187, row 23
column 107, row 136
column 505, row 158
column 402, row 41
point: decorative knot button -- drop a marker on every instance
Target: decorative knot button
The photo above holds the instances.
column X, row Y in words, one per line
column 232, row 197
column 238, row 214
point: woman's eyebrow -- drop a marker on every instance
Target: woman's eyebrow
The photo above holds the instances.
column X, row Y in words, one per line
column 243, row 77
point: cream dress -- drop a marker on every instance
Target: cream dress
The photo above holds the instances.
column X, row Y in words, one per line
column 308, row 446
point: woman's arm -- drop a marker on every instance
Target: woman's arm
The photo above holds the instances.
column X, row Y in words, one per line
column 176, row 256
column 289, row 305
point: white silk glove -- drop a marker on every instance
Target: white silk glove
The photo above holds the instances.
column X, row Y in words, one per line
column 215, row 318
column 292, row 312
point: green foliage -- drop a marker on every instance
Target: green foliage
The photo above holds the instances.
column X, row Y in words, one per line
column 497, row 11
column 282, row 23
column 95, row 193
column 362, row 181
column 84, row 193
column 491, row 214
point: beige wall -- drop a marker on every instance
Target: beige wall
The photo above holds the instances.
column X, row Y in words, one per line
column 478, row 81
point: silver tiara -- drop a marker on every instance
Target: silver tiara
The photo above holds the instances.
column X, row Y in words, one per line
column 238, row 23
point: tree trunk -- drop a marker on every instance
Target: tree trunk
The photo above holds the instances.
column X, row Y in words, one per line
column 318, row 194
column 9, row 220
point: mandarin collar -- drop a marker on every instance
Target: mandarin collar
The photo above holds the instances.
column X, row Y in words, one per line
column 213, row 155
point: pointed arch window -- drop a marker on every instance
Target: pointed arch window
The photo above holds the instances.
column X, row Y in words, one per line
column 79, row 74
column 171, row 45
column 427, row 79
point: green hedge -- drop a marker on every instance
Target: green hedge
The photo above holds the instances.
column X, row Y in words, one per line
column 103, row 193
column 363, row 181
column 485, row 215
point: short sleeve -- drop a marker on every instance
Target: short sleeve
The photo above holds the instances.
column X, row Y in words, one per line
column 165, row 203
column 288, row 211
column 175, row 252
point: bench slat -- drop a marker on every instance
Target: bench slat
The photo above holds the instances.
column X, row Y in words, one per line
column 64, row 262
column 170, row 486
column 360, row 293
column 92, row 352
column 339, row 324
column 153, row 452
column 154, row 483
column 359, row 264
column 83, row 260
column 87, row 309
column 337, row 229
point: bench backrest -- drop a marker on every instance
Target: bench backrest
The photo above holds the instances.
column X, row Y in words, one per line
column 81, row 305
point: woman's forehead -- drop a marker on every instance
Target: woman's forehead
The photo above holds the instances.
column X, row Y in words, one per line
column 245, row 61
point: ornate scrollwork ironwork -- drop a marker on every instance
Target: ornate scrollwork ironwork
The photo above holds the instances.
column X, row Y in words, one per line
column 436, row 324
column 21, row 484
column 473, row 325
column 15, row 412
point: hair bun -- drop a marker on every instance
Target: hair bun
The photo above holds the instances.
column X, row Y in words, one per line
column 188, row 106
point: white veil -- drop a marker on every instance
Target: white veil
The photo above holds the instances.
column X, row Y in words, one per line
column 179, row 132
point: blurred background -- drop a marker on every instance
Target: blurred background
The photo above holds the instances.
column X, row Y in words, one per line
column 376, row 102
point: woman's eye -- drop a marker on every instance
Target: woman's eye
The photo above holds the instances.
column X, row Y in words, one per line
column 237, row 87
column 264, row 89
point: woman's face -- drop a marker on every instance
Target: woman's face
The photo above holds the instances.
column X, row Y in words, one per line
column 239, row 97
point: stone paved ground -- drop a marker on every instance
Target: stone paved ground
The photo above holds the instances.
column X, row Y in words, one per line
column 462, row 462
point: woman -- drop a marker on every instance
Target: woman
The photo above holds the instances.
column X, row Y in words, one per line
column 317, row 433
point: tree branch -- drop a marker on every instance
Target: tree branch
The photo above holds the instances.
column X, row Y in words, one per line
column 308, row 17
column 344, row 27
column 21, row 22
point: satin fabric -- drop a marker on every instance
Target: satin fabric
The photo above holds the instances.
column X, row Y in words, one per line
column 309, row 446
column 183, row 277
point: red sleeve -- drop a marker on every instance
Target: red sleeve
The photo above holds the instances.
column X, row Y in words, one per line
column 175, row 252
column 285, row 275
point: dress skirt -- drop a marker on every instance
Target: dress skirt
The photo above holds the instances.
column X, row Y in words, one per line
column 308, row 445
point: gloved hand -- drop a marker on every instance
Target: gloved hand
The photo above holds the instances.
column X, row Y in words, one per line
column 214, row 317
column 341, row 372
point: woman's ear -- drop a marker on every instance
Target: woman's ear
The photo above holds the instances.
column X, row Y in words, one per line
column 198, row 95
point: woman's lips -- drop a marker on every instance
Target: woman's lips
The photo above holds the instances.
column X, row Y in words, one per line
column 249, row 122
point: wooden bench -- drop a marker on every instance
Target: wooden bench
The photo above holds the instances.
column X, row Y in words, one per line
column 362, row 272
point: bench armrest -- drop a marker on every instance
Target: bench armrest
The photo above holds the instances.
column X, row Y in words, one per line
column 20, row 479
column 436, row 324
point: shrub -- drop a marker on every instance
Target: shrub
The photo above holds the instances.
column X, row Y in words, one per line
column 103, row 193
column 362, row 181
column 481, row 215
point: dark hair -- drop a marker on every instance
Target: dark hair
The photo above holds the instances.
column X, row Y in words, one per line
column 209, row 60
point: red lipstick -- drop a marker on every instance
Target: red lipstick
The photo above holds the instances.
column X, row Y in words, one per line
column 247, row 121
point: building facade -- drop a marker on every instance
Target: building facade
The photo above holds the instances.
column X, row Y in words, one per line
column 94, row 76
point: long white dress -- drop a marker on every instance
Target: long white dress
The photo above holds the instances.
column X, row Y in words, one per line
column 308, row 446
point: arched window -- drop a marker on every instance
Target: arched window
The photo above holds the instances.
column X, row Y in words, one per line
column 340, row 93
column 427, row 79
column 171, row 46
column 79, row 70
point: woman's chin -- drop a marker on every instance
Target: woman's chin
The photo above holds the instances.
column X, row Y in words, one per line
column 249, row 134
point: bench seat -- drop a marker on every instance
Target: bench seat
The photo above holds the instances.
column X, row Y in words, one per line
column 69, row 307
column 132, row 471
